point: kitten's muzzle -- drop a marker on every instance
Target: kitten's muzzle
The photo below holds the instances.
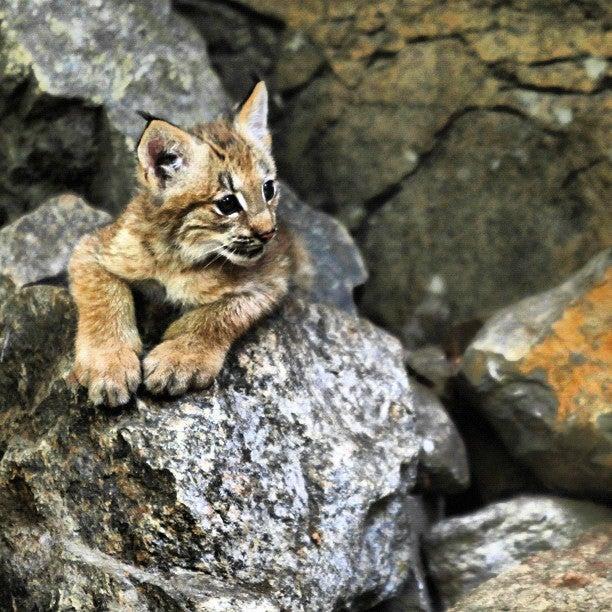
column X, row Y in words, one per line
column 266, row 236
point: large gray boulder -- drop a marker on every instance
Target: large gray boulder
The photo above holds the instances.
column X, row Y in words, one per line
column 465, row 551
column 285, row 486
column 540, row 370
column 73, row 76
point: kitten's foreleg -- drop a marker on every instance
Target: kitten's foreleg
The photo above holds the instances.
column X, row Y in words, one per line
column 107, row 344
column 194, row 347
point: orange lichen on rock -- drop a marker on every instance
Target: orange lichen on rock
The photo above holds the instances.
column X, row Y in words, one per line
column 576, row 356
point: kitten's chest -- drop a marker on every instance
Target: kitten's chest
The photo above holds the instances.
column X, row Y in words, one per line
column 187, row 289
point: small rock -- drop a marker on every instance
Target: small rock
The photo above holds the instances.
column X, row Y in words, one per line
column 431, row 363
column 465, row 551
column 542, row 371
column 38, row 245
column 576, row 578
column 443, row 459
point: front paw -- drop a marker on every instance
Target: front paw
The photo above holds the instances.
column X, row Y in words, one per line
column 110, row 373
column 173, row 367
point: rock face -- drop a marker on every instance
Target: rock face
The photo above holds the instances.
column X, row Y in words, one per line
column 575, row 578
column 463, row 140
column 493, row 229
column 242, row 45
column 38, row 245
column 463, row 552
column 541, row 369
column 73, row 76
column 284, row 486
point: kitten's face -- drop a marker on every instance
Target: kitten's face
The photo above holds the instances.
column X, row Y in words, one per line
column 215, row 187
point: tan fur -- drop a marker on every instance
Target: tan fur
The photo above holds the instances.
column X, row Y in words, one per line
column 171, row 233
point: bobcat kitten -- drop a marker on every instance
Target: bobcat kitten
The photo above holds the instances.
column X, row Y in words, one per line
column 203, row 224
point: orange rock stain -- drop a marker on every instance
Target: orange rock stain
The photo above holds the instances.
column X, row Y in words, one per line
column 576, row 356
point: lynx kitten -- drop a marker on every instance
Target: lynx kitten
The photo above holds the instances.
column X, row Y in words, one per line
column 203, row 225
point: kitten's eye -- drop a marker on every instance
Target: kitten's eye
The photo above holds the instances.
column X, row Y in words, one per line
column 269, row 189
column 228, row 205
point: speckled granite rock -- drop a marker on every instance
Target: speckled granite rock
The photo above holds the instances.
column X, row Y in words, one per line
column 73, row 76
column 462, row 552
column 577, row 579
column 38, row 245
column 542, row 372
column 288, row 481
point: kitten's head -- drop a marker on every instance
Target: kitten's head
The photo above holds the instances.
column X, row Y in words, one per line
column 212, row 189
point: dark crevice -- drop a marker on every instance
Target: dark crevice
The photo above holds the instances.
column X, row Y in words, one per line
column 319, row 73
column 415, row 40
column 576, row 172
column 380, row 199
column 380, row 56
column 374, row 204
column 194, row 6
column 505, row 75
column 557, row 60
column 14, row 102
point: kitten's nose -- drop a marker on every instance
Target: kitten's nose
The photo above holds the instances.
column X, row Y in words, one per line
column 267, row 235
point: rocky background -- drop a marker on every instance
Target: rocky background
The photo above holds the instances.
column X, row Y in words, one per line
column 448, row 166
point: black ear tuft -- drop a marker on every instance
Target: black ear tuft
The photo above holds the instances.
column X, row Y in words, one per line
column 148, row 117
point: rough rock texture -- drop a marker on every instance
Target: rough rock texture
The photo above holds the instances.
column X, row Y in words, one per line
column 38, row 245
column 542, row 371
column 577, row 578
column 462, row 552
column 288, row 482
column 432, row 365
column 73, row 76
column 461, row 140
column 485, row 216
column 443, row 461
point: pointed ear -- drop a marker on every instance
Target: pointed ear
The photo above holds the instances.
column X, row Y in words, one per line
column 164, row 152
column 252, row 119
